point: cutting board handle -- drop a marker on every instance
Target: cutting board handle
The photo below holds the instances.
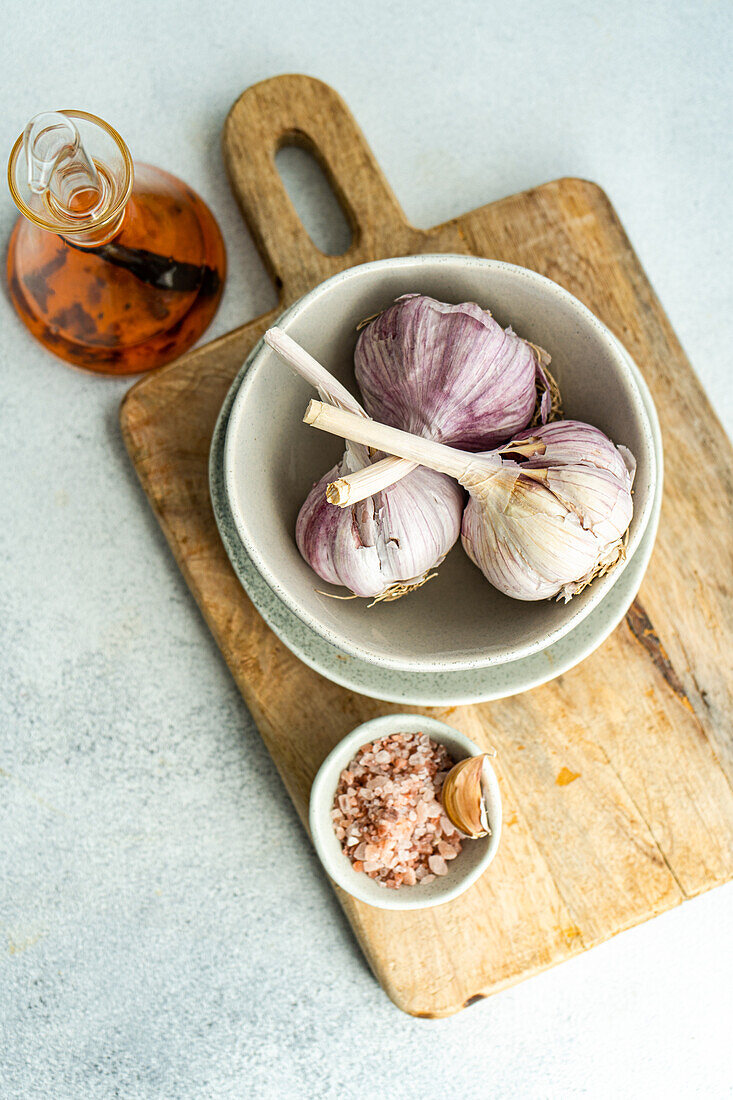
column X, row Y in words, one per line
column 299, row 110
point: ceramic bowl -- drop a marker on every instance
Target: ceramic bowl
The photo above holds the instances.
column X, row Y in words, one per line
column 271, row 459
column 475, row 856
column 417, row 688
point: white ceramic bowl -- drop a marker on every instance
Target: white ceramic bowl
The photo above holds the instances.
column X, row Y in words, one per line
column 475, row 856
column 417, row 688
column 271, row 460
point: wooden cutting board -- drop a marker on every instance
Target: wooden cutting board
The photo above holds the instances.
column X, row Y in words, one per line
column 616, row 777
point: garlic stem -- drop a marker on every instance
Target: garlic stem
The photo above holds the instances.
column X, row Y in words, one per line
column 372, row 478
column 426, row 452
column 352, row 488
column 311, row 370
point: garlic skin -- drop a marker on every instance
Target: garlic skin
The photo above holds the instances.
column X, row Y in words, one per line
column 449, row 373
column 534, row 533
column 386, row 545
column 566, row 442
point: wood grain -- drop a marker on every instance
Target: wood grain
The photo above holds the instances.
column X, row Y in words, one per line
column 616, row 777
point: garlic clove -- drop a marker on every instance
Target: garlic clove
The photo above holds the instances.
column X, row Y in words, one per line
column 463, row 797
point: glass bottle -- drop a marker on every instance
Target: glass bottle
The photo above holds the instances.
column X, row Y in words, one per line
column 114, row 267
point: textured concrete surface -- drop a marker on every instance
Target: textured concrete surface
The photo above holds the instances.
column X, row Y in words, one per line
column 165, row 930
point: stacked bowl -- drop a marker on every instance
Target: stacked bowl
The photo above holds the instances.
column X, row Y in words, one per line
column 456, row 639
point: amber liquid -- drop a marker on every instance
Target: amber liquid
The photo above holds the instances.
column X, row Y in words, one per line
column 132, row 303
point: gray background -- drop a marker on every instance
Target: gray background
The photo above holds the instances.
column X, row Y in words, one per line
column 165, row 930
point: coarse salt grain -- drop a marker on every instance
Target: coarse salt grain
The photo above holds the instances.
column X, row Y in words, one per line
column 438, row 865
column 387, row 812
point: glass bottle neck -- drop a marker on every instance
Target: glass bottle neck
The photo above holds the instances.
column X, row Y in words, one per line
column 71, row 174
column 92, row 207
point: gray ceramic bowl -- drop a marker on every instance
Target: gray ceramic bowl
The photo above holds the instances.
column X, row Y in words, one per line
column 463, row 870
column 271, row 460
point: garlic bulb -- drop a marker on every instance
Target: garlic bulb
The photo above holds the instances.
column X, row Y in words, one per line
column 463, row 797
column 535, row 534
column 449, row 373
column 387, row 544
column 535, row 530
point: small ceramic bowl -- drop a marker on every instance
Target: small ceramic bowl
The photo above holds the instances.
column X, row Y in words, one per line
column 457, row 621
column 475, row 857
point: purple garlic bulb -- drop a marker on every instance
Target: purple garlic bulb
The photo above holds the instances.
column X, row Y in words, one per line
column 449, row 373
column 386, row 545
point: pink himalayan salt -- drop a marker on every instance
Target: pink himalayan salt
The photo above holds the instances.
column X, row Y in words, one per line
column 387, row 811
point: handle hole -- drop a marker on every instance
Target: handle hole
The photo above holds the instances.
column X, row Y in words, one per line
column 314, row 200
